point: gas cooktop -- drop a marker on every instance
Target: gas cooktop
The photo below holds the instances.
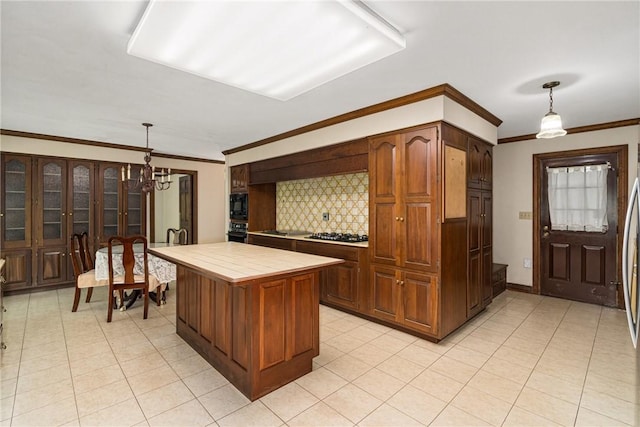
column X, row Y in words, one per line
column 340, row 237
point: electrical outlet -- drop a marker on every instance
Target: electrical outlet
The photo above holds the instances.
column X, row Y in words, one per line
column 325, row 216
column 527, row 263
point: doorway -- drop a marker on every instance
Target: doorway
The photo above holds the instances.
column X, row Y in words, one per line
column 580, row 264
column 175, row 208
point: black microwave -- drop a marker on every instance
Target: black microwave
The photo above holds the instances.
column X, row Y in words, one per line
column 238, row 206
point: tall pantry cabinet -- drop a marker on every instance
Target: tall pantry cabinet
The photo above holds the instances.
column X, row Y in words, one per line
column 44, row 201
column 479, row 195
column 403, row 220
column 420, row 229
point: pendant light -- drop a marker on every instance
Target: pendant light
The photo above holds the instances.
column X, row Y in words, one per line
column 551, row 125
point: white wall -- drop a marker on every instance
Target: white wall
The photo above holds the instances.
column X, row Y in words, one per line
column 513, row 190
column 211, row 176
column 417, row 113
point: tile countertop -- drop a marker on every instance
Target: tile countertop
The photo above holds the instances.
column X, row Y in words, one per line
column 304, row 237
column 239, row 262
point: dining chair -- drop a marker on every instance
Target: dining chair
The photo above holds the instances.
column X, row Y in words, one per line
column 130, row 280
column 178, row 236
column 83, row 268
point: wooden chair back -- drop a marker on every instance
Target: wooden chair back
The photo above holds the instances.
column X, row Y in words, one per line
column 178, row 236
column 129, row 280
column 80, row 253
column 82, row 262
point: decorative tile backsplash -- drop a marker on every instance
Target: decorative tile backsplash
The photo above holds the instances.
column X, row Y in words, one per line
column 301, row 204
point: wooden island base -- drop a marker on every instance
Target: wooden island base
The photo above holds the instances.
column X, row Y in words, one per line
column 262, row 331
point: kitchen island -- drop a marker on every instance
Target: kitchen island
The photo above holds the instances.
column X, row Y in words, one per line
column 252, row 312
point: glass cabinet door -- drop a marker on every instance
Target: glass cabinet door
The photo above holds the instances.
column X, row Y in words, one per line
column 52, row 202
column 134, row 214
column 110, row 208
column 81, row 203
column 16, row 202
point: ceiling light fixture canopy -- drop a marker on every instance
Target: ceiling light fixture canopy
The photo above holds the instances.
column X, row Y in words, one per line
column 551, row 124
column 148, row 179
column 279, row 49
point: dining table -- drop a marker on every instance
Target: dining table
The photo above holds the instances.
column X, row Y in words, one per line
column 161, row 269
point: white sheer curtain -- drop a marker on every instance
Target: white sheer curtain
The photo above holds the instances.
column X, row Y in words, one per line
column 578, row 198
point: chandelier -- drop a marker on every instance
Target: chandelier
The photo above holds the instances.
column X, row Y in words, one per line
column 551, row 124
column 148, row 179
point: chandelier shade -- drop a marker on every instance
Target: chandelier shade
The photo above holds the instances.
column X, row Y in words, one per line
column 551, row 124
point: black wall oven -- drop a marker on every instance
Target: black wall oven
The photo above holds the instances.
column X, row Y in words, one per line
column 239, row 206
column 237, row 232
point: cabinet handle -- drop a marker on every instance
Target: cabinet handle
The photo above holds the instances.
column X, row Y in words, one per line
column 397, row 282
column 397, row 218
column 402, row 283
column 401, row 219
column 63, row 214
column 70, row 213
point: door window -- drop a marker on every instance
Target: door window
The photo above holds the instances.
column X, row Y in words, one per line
column 578, row 198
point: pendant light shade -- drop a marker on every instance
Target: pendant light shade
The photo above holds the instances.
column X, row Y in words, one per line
column 551, row 124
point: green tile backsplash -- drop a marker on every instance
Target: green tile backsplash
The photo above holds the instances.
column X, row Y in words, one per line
column 300, row 204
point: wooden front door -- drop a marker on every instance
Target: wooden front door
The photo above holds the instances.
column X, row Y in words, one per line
column 579, row 265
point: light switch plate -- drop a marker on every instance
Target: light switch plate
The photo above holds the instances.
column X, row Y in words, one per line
column 325, row 216
column 525, row 215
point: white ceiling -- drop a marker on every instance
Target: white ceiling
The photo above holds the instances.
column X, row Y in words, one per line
column 65, row 72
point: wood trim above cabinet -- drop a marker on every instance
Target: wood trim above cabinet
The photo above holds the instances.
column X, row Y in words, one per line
column 343, row 158
column 579, row 129
column 65, row 139
column 441, row 90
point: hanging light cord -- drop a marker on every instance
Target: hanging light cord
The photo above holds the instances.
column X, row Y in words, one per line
column 550, row 104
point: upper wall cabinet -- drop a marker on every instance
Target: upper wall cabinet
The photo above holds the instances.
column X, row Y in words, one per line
column 403, row 199
column 480, row 164
column 121, row 210
column 239, row 178
column 16, row 201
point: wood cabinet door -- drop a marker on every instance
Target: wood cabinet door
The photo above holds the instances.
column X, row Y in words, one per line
column 486, row 244
column 385, row 293
column 487, row 166
column 53, row 265
column 239, row 176
column 384, row 178
column 420, row 302
column 419, row 238
column 340, row 285
column 480, row 169
column 17, row 269
column 474, row 277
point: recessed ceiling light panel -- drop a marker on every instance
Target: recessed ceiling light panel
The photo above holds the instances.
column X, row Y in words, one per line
column 279, row 49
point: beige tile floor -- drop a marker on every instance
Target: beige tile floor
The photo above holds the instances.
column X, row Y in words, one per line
column 526, row 360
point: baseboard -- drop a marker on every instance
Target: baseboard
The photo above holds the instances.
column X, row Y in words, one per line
column 519, row 288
